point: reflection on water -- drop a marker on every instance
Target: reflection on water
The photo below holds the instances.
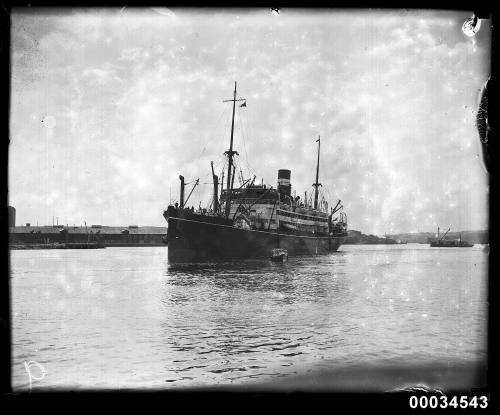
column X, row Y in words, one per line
column 122, row 317
column 295, row 280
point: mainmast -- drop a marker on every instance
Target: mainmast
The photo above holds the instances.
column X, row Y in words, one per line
column 316, row 184
column 230, row 153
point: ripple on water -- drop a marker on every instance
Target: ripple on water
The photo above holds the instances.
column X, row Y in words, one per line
column 252, row 320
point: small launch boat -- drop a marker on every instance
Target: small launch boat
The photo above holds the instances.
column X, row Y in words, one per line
column 279, row 255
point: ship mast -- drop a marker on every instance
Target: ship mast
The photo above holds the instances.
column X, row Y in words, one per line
column 230, row 153
column 316, row 184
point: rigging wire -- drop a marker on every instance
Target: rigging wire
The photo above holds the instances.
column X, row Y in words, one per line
column 218, row 160
column 244, row 132
column 221, row 159
column 242, row 137
column 227, row 129
column 224, row 111
column 210, row 137
column 208, row 142
column 312, row 174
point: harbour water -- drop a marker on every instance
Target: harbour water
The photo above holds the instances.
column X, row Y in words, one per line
column 122, row 318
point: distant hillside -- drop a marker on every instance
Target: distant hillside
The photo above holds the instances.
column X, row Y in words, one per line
column 357, row 237
column 475, row 237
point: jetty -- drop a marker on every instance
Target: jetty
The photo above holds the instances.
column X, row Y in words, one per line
column 84, row 237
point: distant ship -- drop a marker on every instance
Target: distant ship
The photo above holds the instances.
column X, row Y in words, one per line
column 251, row 220
column 449, row 243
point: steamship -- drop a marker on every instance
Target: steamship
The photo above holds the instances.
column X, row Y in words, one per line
column 251, row 220
column 441, row 242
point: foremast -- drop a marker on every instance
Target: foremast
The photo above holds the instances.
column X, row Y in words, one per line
column 230, row 154
column 316, row 184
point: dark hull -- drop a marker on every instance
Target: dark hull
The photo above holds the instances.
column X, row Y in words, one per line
column 193, row 240
column 451, row 245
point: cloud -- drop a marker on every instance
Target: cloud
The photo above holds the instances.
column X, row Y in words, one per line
column 137, row 98
column 130, row 54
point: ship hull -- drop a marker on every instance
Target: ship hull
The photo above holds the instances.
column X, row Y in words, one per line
column 195, row 241
column 451, row 245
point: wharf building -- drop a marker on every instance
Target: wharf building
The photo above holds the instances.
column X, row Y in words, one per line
column 23, row 236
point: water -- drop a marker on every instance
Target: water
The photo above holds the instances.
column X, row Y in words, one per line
column 121, row 318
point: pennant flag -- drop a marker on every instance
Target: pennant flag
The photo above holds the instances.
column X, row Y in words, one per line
column 244, row 104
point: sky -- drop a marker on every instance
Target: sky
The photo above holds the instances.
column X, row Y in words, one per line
column 109, row 106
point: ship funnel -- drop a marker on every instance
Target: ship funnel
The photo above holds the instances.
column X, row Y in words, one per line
column 284, row 185
column 181, row 178
column 216, row 198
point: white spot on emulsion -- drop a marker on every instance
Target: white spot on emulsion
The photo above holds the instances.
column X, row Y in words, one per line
column 49, row 121
column 164, row 12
